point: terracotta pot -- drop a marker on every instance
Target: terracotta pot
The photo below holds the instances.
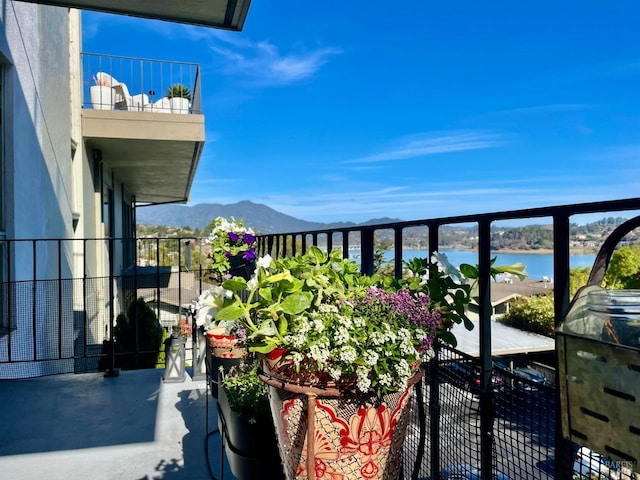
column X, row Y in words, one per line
column 325, row 434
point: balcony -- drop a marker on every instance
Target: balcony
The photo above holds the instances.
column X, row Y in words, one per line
column 149, row 140
column 223, row 14
column 494, row 418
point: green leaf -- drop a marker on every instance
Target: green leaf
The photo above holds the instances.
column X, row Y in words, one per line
column 449, row 338
column 517, row 269
column 230, row 312
column 264, row 348
column 317, row 255
column 296, row 303
column 469, row 271
column 235, row 284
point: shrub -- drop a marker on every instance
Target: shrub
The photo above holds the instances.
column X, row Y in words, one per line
column 137, row 337
column 533, row 314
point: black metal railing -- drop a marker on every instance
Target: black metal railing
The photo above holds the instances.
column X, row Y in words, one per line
column 60, row 298
column 140, row 84
column 500, row 429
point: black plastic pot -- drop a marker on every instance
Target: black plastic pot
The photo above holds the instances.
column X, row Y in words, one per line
column 250, row 443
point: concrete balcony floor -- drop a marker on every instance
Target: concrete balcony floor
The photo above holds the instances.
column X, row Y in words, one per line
column 130, row 427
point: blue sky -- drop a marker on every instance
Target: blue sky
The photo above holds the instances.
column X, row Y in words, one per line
column 346, row 111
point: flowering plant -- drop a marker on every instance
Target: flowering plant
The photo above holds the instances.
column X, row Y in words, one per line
column 230, row 241
column 205, row 308
column 183, row 329
column 335, row 324
column 246, row 393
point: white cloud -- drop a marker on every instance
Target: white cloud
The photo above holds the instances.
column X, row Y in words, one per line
column 428, row 144
column 261, row 63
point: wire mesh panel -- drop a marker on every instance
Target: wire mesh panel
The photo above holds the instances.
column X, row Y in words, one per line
column 524, row 426
column 444, row 438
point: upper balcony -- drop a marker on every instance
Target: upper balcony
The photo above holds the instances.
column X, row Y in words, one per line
column 145, row 118
column 224, row 14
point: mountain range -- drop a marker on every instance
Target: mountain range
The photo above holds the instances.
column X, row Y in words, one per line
column 258, row 216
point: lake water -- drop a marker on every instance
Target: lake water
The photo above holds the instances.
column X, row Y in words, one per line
column 538, row 265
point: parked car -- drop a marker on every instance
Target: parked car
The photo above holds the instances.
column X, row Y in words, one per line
column 467, row 471
column 590, row 465
column 526, row 376
column 465, row 374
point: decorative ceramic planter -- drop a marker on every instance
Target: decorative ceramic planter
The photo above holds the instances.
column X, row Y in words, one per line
column 102, row 97
column 323, row 433
column 179, row 105
column 222, row 353
column 224, row 346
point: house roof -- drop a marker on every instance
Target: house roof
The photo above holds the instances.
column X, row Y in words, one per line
column 503, row 291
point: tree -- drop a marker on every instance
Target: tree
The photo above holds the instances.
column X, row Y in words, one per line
column 624, row 268
column 533, row 314
column 578, row 277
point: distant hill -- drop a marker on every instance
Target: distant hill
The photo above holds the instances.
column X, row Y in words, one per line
column 260, row 217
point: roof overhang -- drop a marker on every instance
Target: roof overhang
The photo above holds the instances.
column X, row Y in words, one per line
column 155, row 155
column 224, row 14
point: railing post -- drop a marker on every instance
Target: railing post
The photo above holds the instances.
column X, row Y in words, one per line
column 434, row 413
column 345, row 244
column 561, row 268
column 366, row 251
column 329, row 242
column 113, row 371
column 397, row 258
column 486, row 395
column 34, row 293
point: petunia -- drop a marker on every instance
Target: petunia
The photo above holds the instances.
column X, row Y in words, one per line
column 233, row 236
column 249, row 254
column 248, row 238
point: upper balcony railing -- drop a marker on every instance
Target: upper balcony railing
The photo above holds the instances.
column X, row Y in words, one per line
column 140, row 85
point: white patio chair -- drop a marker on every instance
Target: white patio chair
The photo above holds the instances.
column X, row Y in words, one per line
column 161, row 106
column 125, row 101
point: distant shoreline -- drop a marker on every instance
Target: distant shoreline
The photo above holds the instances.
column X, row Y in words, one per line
column 540, row 251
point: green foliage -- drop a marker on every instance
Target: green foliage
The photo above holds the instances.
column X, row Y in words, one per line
column 380, row 265
column 624, row 268
column 533, row 314
column 451, row 288
column 178, row 90
column 247, row 394
column 136, row 331
column 578, row 277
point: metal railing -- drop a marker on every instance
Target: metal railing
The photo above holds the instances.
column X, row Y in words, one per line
column 140, row 84
column 555, row 460
column 61, row 298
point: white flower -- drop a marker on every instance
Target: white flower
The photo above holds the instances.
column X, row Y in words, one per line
column 371, row 358
column 363, row 382
column 208, row 304
column 445, row 266
column 252, row 283
column 264, row 262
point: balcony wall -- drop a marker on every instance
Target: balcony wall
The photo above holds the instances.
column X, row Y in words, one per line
column 150, row 141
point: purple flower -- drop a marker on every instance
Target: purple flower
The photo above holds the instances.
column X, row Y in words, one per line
column 249, row 254
column 233, row 236
column 228, row 254
column 248, row 238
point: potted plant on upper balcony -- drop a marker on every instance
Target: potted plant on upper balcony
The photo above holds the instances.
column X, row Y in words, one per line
column 102, row 94
column 179, row 97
